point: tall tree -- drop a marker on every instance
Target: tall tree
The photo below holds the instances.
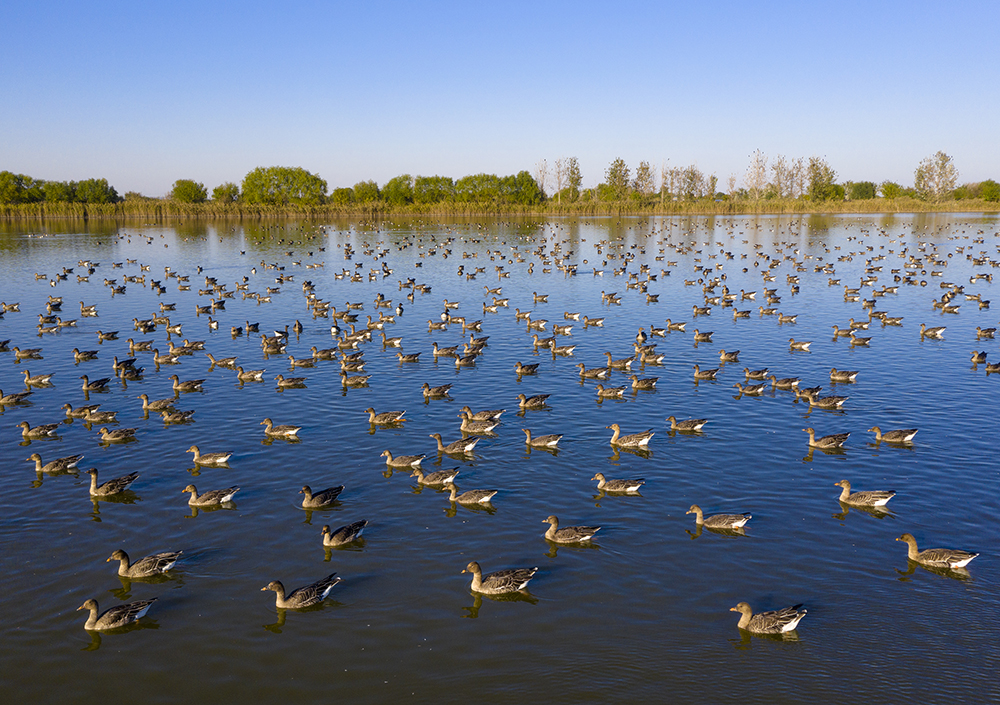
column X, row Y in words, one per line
column 541, row 174
column 616, row 178
column 366, row 191
column 645, row 179
column 96, row 191
column 559, row 173
column 189, row 191
column 780, row 177
column 935, row 177
column 398, row 191
column 756, row 176
column 822, row 178
column 282, row 185
column 227, row 192
column 574, row 179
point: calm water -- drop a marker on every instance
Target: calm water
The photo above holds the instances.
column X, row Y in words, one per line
column 641, row 614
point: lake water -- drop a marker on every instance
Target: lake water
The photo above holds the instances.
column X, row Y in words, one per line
column 642, row 614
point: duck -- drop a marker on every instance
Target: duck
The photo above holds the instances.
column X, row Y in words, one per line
column 111, row 487
column 901, row 436
column 719, row 521
column 191, row 385
column 469, row 496
column 156, row 404
column 622, row 364
column 979, row 357
column 80, row 411
column 867, row 498
column 776, row 622
column 209, row 459
column 54, row 466
column 288, row 382
column 285, row 431
column 533, row 402
column 568, row 534
column 502, row 582
column 751, row 390
column 828, row 402
column 843, row 376
column 435, row 392
column 460, row 447
column 101, row 417
column 343, row 535
column 114, row 617
column 687, row 426
column 755, row 374
column 323, row 498
column 705, row 374
column 408, row 357
column 96, row 385
column 547, row 441
column 304, row 596
column 229, row 362
column 835, row 440
column 933, row 332
column 703, row 336
column 118, row 435
column 27, row 353
column 149, row 566
column 210, row 498
column 634, row 440
column 401, row 461
column 14, row 397
column 84, row 355
column 436, row 478
column 385, row 418
column 937, row 557
column 41, row 431
column 485, row 415
column 607, row 485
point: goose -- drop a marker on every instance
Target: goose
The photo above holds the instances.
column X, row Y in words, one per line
column 843, row 375
column 249, row 375
column 469, row 496
column 644, row 382
column 568, row 534
column 304, row 596
column 210, row 498
column 435, row 392
column 776, row 622
column 934, row 332
column 462, row 446
column 114, row 617
column 609, row 392
column 55, row 466
column 80, row 411
column 285, row 431
column 97, row 385
column 593, row 372
column 470, row 425
column 979, row 357
column 719, row 521
column 533, row 402
column 901, row 436
column 156, row 404
column 40, row 431
column 436, row 478
column 635, row 440
column 101, row 417
column 705, row 374
column 118, row 435
column 344, row 534
column 688, row 426
column 798, row 345
column 607, row 485
column 84, row 355
column 835, row 440
column 14, row 397
column 548, row 441
column 229, row 362
column 502, row 582
column 111, row 487
column 156, row 564
column 190, row 385
column 526, row 369
column 290, row 381
column 784, row 383
column 402, row 461
column 209, row 459
column 323, row 498
column 564, row 350
column 829, row 402
column 675, row 326
column 868, row 498
column 385, row 418
column 703, row 336
column 27, row 353
column 595, row 322
column 408, row 357
column 42, row 380
column 750, row 390
column 787, row 318
column 856, row 341
column 755, row 374
column 937, row 557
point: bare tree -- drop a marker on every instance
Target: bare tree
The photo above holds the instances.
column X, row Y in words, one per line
column 756, row 176
column 779, row 177
column 935, row 177
column 664, row 176
column 560, row 170
column 798, row 177
column 542, row 174
column 645, row 179
column 731, row 186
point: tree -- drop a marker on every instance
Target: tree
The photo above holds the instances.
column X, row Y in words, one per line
column 226, row 193
column 860, row 190
column 821, row 177
column 366, row 191
column 541, row 173
column 692, row 183
column 59, row 191
column 398, row 191
column 342, row 196
column 189, row 191
column 282, row 185
column 96, row 191
column 731, row 186
column 19, row 188
column 781, row 177
column 616, row 178
column 645, row 179
column 433, row 189
column 756, row 176
column 559, row 172
column 935, row 177
column 574, row 180
column 989, row 190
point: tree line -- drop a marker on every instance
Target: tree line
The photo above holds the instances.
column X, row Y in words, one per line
column 779, row 179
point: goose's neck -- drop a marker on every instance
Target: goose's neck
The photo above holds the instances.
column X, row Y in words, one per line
column 845, row 494
column 614, row 437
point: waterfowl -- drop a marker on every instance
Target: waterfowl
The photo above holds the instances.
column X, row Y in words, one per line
column 595, row 322
column 229, row 362
column 617, row 485
column 110, row 335
column 502, row 582
column 385, row 418
column 856, row 341
column 156, row 564
column 40, row 431
column 285, row 431
column 543, row 342
column 470, row 425
column 835, row 440
column 96, row 385
column 979, row 357
column 102, row 416
column 934, row 332
column 290, row 381
column 319, row 499
column 842, row 332
column 787, row 318
column 705, row 374
column 644, row 382
column 939, row 557
column 210, row 498
column 675, row 326
column 751, row 390
column 460, row 447
column 435, row 392
column 114, row 617
column 408, row 357
column 436, row 478
column 609, row 392
column 900, row 436
column 111, row 487
column 14, row 397
column 39, row 380
column 156, row 404
column 568, row 534
column 80, row 411
column 249, row 375
column 344, row 534
column 564, row 350
column 867, row 498
column 191, row 385
column 797, row 345
column 776, row 622
column 843, row 375
column 401, row 461
column 593, row 372
column 634, row 440
column 985, row 332
column 55, row 466
column 469, row 496
column 118, row 435
column 209, row 459
column 688, row 426
column 485, row 415
column 465, row 360
column 307, row 362
column 525, row 369
column 27, row 353
column 703, row 337
column 533, row 402
column 547, row 441
column 731, row 356
column 828, row 402
column 719, row 521
column 304, row 596
column 84, row 355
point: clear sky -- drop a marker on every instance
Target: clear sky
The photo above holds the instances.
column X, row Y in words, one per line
column 146, row 93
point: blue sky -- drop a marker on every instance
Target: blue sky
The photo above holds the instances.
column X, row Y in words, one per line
column 146, row 93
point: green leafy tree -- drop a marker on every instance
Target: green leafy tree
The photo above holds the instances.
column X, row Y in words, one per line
column 478, row 188
column 280, row 185
column 821, row 178
column 645, row 180
column 19, row 188
column 342, row 196
column 574, row 179
column 398, row 191
column 890, row 189
column 96, row 191
column 433, row 189
column 189, row 191
column 226, row 193
column 989, row 190
column 935, row 177
column 616, row 177
column 366, row 191
column 860, row 190
column 59, row 191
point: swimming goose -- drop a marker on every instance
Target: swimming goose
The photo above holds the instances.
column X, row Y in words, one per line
column 609, row 392
column 323, row 498
column 787, row 318
column 843, row 375
column 80, row 411
column 210, row 498
column 502, row 582
column 635, row 440
column 835, row 440
column 385, row 418
column 304, row 596
column 209, row 459
column 290, row 381
column 675, row 326
column 751, row 390
column 703, row 337
column 828, row 402
column 644, row 382
column 118, row 435
column 41, row 380
column 469, row 496
column 866, row 498
column 797, row 345
column 436, row 478
column 595, row 322
column 719, row 521
column 622, row 364
column 111, row 487
column 617, row 485
column 755, row 374
column 190, row 385
column 114, row 617
column 14, row 397
column 344, row 534
column 101, row 417
column 249, row 375
column 547, row 441
column 408, row 357
column 938, row 557
column 842, row 332
column 705, row 374
column 731, row 356
column 901, row 436
column 533, row 402
column 229, row 362
column 55, row 466
column 460, row 447
column 593, row 372
column 934, row 332
column 156, row 404
column 470, row 425
column 688, row 426
column 27, row 353
column 979, row 357
column 776, row 622
column 156, row 564
column 84, row 355
column 435, row 392
column 285, row 431
column 40, row 431
column 856, row 341
column 95, row 385
column 568, row 534
column 525, row 369
column 401, row 461
column 485, row 415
